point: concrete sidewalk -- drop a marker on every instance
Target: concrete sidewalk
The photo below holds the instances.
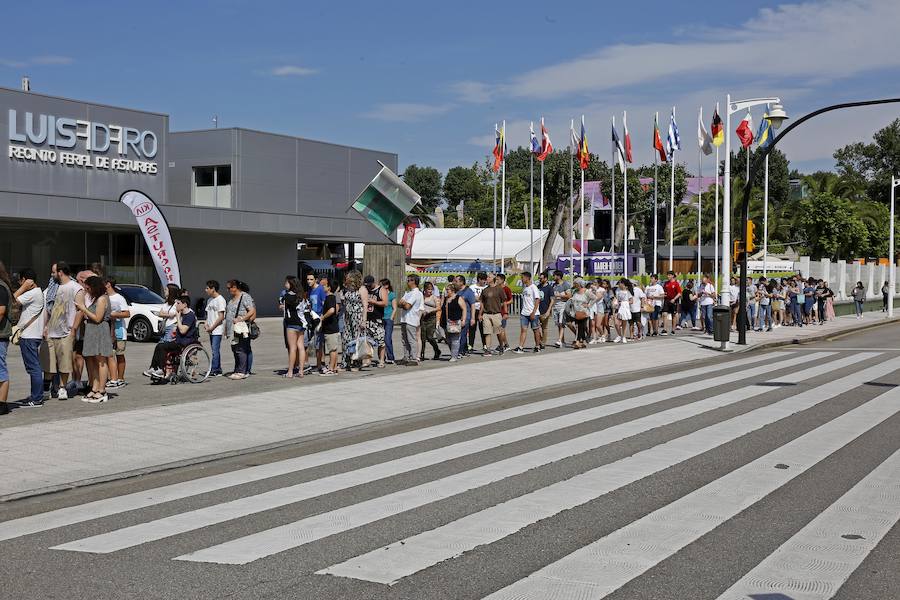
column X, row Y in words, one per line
column 86, row 449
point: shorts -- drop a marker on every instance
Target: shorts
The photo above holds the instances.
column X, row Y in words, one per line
column 120, row 347
column 294, row 328
column 375, row 331
column 669, row 307
column 503, row 322
column 332, row 342
column 654, row 316
column 78, row 347
column 4, row 373
column 491, row 323
column 529, row 322
column 61, row 350
column 636, row 317
column 559, row 313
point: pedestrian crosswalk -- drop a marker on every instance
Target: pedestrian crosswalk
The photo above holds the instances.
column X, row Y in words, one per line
column 563, row 456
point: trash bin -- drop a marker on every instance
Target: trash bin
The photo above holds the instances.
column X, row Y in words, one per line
column 721, row 323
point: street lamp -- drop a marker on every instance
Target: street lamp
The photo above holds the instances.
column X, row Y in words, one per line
column 777, row 116
column 745, row 209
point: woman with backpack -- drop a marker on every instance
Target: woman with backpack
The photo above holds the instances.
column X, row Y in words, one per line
column 295, row 305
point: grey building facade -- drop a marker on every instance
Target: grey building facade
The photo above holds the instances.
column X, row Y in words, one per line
column 237, row 201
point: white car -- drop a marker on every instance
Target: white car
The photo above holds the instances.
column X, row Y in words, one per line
column 143, row 325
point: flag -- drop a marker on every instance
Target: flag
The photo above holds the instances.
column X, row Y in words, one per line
column 657, row 139
column 617, row 147
column 535, row 146
column 584, row 155
column 745, row 130
column 764, row 135
column 703, row 136
column 627, row 138
column 386, row 201
column 153, row 225
column 718, row 132
column 546, row 146
column 498, row 148
column 673, row 140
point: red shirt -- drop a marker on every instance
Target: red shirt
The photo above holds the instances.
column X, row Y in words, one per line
column 672, row 289
column 508, row 293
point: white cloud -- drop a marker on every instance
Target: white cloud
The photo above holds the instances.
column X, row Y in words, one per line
column 292, row 71
column 808, row 41
column 472, row 91
column 407, row 112
column 43, row 61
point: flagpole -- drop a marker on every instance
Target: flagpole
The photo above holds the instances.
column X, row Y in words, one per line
column 766, row 220
column 700, row 214
column 716, row 236
column 655, row 205
column 503, row 197
column 570, row 223
column 495, row 212
column 531, row 204
column 625, row 202
column 612, row 206
column 542, row 218
column 581, row 236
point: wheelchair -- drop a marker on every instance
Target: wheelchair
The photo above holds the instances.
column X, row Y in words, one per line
column 191, row 364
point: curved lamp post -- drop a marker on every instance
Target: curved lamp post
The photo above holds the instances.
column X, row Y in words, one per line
column 745, row 208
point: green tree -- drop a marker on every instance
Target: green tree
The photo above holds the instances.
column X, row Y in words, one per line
column 831, row 227
column 462, row 185
column 872, row 164
column 426, row 181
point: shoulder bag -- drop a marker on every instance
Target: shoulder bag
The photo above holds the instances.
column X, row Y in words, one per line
column 18, row 330
column 251, row 325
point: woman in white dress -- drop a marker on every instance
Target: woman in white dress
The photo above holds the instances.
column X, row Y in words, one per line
column 622, row 306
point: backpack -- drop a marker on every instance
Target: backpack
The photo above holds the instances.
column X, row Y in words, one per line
column 13, row 309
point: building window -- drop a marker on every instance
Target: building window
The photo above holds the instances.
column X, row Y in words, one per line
column 212, row 186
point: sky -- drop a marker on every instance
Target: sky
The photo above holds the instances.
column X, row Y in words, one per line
column 429, row 80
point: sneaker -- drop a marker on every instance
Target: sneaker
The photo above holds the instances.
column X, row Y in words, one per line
column 62, row 394
column 214, row 374
column 618, row 340
column 486, row 353
column 388, row 362
column 624, row 340
column 558, row 344
column 678, row 328
column 536, row 349
column 112, row 384
column 326, row 373
column 31, row 403
column 148, row 373
column 4, row 408
column 663, row 332
column 97, row 400
column 453, row 360
column 519, row 350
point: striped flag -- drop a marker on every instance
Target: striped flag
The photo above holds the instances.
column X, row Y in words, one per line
column 617, row 147
column 764, row 135
column 673, row 140
column 535, row 145
column 584, row 155
column 718, row 132
column 703, row 136
column 498, row 148
column 546, row 145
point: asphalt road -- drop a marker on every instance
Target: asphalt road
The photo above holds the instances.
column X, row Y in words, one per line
column 768, row 475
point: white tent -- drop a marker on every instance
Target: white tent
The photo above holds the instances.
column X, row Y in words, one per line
column 476, row 243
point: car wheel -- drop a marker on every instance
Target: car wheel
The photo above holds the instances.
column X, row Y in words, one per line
column 141, row 330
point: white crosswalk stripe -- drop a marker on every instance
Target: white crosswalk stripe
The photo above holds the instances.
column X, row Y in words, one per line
column 120, row 504
column 600, row 568
column 189, row 521
column 403, row 558
column 285, row 537
column 815, row 562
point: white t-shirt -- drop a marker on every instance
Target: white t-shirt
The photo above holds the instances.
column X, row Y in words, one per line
column 170, row 309
column 413, row 315
column 636, row 300
column 735, row 292
column 64, row 306
column 118, row 304
column 214, row 306
column 477, row 289
column 32, row 303
column 530, row 295
column 656, row 290
column 706, row 291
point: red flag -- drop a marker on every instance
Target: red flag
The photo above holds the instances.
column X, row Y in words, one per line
column 745, row 130
column 498, row 149
column 546, row 146
column 627, row 139
column 657, row 139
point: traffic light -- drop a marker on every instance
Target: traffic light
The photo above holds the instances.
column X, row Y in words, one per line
column 751, row 230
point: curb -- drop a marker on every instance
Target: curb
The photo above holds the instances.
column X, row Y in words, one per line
column 815, row 338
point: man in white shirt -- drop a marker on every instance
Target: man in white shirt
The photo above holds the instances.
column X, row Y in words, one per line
column 637, row 323
column 529, row 319
column 60, row 328
column 735, row 291
column 215, row 324
column 707, row 294
column 31, row 323
column 656, row 295
column 412, row 304
column 118, row 312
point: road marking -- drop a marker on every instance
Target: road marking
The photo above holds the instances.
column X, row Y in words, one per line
column 403, row 558
column 279, row 539
column 600, row 568
column 189, row 521
column 819, row 559
column 177, row 491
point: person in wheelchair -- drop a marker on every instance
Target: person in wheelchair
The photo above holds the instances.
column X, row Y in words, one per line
column 186, row 333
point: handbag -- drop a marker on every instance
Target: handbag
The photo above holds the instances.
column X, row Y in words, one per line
column 454, row 326
column 251, row 325
column 363, row 349
column 580, row 314
column 18, row 330
column 646, row 306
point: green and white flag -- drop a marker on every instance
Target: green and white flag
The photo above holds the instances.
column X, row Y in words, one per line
column 386, row 201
